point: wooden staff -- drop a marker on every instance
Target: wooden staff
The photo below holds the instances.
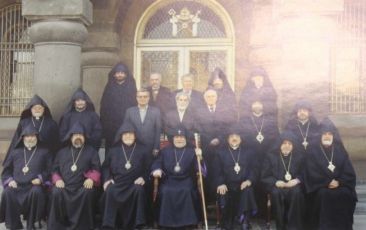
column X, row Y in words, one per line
column 200, row 180
column 156, row 187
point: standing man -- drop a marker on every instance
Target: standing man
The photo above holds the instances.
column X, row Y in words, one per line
column 81, row 109
column 234, row 176
column 182, row 116
column 75, row 175
column 25, row 174
column 124, row 176
column 303, row 123
column 119, row 95
column 160, row 96
column 283, row 176
column 196, row 98
column 146, row 121
column 330, row 177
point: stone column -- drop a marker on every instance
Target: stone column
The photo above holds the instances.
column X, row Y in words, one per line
column 99, row 55
column 58, row 31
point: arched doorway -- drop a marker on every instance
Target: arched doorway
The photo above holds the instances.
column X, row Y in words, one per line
column 177, row 37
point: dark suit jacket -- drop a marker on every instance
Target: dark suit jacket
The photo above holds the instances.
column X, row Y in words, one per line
column 172, row 121
column 149, row 131
column 196, row 102
column 164, row 100
column 213, row 125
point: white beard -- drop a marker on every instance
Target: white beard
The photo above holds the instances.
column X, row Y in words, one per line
column 327, row 142
column 30, row 144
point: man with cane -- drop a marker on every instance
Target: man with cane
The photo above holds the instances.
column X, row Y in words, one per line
column 178, row 196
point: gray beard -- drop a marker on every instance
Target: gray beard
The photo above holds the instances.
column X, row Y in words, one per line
column 30, row 145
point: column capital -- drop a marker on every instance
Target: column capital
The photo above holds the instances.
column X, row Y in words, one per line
column 58, row 31
column 77, row 10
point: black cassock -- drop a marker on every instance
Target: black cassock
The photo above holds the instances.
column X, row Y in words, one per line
column 266, row 94
column 46, row 126
column 288, row 204
column 178, row 197
column 305, row 133
column 116, row 99
column 236, row 203
column 72, row 207
column 26, row 199
column 261, row 133
column 333, row 208
column 88, row 118
column 124, row 202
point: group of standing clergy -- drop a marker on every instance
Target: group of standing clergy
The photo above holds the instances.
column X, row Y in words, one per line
column 53, row 172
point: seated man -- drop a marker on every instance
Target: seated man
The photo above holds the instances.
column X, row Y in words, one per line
column 234, row 175
column 123, row 176
column 75, row 174
column 26, row 171
column 282, row 174
column 330, row 177
column 178, row 194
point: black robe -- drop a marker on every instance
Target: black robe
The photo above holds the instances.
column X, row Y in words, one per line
column 72, row 207
column 46, row 126
column 266, row 94
column 225, row 97
column 251, row 125
column 124, row 193
column 235, row 203
column 288, row 204
column 26, row 199
column 164, row 99
column 88, row 118
column 115, row 101
column 333, row 208
column 178, row 197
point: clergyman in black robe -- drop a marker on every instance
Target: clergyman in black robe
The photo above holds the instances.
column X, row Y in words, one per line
column 178, row 197
column 25, row 177
column 331, row 178
column 39, row 115
column 225, row 95
column 283, row 177
column 124, row 175
column 119, row 95
column 160, row 96
column 260, row 86
column 75, row 175
column 303, row 123
column 234, row 176
column 262, row 132
column 81, row 109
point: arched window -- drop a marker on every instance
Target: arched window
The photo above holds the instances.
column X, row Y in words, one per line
column 186, row 36
column 16, row 61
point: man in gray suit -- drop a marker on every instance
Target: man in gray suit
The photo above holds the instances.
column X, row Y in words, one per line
column 146, row 120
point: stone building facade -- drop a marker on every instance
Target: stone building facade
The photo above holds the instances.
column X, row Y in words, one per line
column 311, row 49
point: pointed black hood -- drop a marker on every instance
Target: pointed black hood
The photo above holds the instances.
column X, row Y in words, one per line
column 289, row 136
column 36, row 100
column 326, row 125
column 125, row 128
column 259, row 71
column 303, row 104
column 28, row 130
column 76, row 128
column 120, row 67
column 79, row 94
